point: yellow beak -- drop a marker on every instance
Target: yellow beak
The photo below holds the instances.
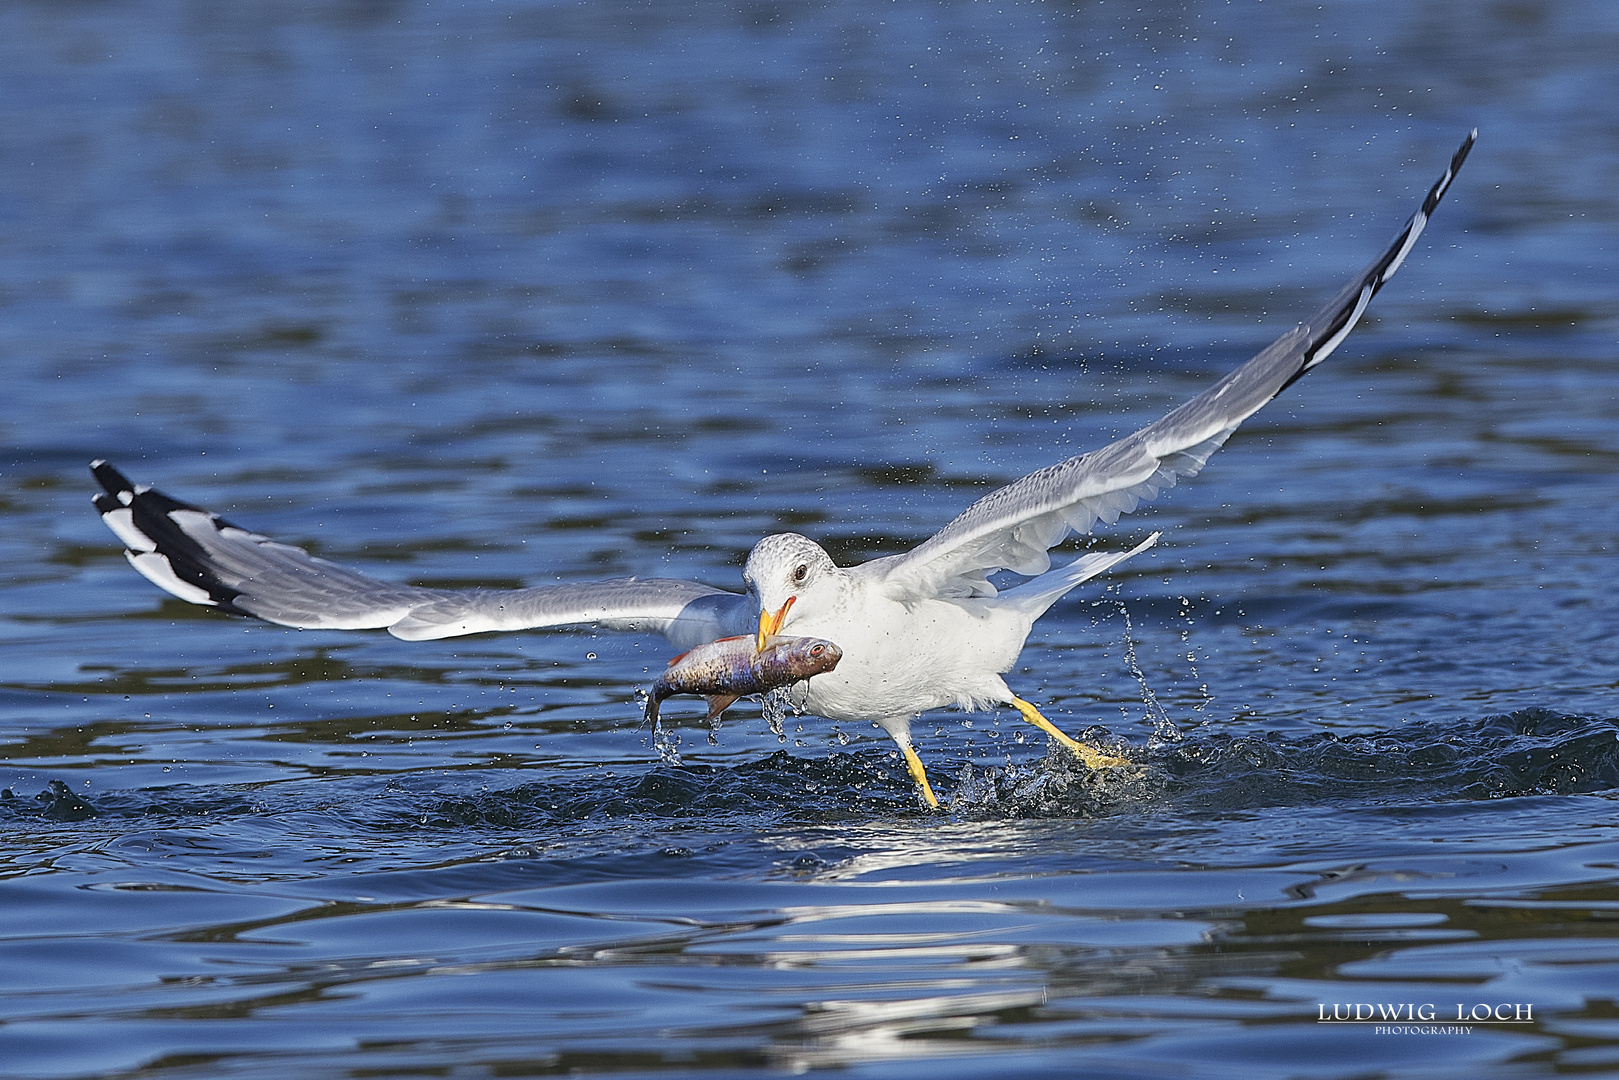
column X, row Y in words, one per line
column 770, row 622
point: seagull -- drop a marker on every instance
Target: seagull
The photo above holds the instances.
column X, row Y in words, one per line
column 922, row 630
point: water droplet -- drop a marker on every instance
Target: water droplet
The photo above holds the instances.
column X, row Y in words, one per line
column 590, row 656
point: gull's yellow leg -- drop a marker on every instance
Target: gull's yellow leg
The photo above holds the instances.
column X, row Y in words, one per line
column 919, row 774
column 1093, row 758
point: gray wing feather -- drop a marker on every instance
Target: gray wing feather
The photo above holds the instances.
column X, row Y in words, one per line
column 685, row 612
column 1013, row 527
column 200, row 557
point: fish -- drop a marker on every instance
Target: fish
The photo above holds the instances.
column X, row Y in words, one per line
column 725, row 670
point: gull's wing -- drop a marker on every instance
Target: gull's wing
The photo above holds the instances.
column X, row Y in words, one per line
column 1013, row 527
column 201, row 557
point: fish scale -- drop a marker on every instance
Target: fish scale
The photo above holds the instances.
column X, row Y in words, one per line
column 730, row 668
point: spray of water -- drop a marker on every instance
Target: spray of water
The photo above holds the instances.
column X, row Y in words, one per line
column 1165, row 730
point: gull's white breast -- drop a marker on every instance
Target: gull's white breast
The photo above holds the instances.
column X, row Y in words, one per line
column 901, row 659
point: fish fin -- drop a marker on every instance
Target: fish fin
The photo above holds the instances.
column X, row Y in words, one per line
column 718, row 703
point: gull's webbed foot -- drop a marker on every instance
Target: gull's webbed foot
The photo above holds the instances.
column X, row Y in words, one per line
column 1092, row 757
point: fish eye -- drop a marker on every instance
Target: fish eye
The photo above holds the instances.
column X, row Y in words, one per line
column 817, row 650
column 800, row 572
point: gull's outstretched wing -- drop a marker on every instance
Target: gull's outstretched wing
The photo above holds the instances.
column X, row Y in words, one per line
column 1013, row 527
column 201, row 557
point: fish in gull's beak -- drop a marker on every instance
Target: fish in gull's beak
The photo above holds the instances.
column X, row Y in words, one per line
column 770, row 622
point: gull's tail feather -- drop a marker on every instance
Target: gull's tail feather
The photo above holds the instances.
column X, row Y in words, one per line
column 1037, row 594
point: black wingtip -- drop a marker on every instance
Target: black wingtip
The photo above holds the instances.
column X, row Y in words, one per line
column 150, row 532
column 1437, row 192
column 1358, row 293
column 109, row 477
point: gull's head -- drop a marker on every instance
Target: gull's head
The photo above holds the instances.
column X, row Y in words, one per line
column 787, row 569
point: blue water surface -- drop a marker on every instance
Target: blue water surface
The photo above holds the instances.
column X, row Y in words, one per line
column 513, row 292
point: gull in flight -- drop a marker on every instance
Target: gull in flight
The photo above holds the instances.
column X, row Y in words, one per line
column 918, row 631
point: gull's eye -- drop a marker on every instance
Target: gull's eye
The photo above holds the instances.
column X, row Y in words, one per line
column 800, row 572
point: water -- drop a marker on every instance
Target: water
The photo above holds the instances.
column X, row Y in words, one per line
column 509, row 293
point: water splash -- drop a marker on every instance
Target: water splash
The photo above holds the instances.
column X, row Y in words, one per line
column 1529, row 752
column 1056, row 785
column 1164, row 728
column 666, row 742
column 780, row 704
column 56, row 803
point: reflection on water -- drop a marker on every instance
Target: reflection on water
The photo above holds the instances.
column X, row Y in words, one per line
column 1143, row 960
column 510, row 293
column 780, row 913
